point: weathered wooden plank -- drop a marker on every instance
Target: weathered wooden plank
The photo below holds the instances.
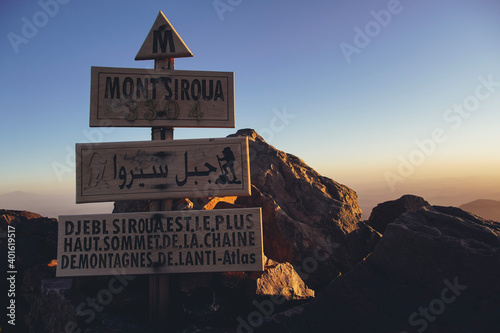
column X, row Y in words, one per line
column 132, row 97
column 160, row 242
column 162, row 169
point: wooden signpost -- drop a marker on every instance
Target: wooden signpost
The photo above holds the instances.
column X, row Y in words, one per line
column 161, row 241
column 162, row 169
column 131, row 97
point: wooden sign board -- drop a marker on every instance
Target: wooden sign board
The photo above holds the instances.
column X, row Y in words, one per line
column 163, row 42
column 133, row 97
column 162, row 169
column 160, row 242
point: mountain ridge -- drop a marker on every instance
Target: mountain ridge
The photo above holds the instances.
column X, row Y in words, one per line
column 486, row 208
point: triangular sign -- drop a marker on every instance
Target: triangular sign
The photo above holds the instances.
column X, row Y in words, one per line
column 163, row 42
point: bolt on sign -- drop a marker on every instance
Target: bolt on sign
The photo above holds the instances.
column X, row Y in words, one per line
column 160, row 242
column 130, row 97
column 162, row 169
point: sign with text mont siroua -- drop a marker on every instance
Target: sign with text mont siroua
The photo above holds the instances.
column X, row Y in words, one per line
column 160, row 242
column 160, row 169
column 133, row 97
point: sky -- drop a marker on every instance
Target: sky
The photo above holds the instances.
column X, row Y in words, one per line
column 386, row 97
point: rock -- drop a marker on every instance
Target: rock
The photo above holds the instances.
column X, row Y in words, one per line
column 434, row 270
column 50, row 312
column 9, row 215
column 213, row 202
column 35, row 247
column 36, row 236
column 389, row 211
column 184, row 204
column 309, row 221
column 129, row 206
column 299, row 189
column 58, row 285
column 189, row 282
column 282, row 280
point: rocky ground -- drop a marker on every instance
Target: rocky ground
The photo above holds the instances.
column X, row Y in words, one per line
column 411, row 267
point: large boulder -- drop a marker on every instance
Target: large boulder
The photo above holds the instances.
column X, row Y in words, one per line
column 312, row 234
column 434, row 270
column 387, row 212
column 309, row 220
column 36, row 236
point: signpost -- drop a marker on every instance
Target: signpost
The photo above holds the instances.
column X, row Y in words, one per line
column 161, row 241
column 162, row 169
column 131, row 97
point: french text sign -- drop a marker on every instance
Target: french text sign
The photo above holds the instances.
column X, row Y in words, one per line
column 160, row 242
column 133, row 97
column 151, row 170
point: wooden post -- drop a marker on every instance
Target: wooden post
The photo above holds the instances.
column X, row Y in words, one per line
column 159, row 284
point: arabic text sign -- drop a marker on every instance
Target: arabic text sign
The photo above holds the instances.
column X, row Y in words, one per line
column 160, row 242
column 162, row 169
column 130, row 97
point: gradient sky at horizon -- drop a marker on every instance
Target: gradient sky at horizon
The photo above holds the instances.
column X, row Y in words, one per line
column 353, row 118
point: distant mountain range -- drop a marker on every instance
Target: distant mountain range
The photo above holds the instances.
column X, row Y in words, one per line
column 487, row 209
column 453, row 191
column 50, row 205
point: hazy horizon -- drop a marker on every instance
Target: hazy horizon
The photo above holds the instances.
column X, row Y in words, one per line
column 452, row 191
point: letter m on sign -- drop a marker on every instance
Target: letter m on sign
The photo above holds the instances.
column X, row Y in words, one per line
column 162, row 42
column 164, row 38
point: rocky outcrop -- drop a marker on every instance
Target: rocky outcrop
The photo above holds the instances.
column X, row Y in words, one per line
column 309, row 221
column 435, row 270
column 387, row 212
column 282, row 280
column 36, row 236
